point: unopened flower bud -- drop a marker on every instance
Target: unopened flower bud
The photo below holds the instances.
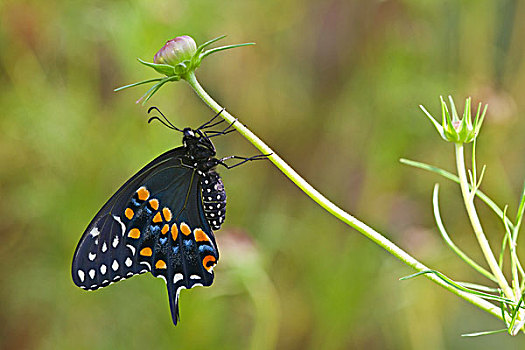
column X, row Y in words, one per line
column 176, row 51
column 456, row 129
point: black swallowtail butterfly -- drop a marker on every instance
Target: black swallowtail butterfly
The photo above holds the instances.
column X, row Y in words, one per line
column 161, row 221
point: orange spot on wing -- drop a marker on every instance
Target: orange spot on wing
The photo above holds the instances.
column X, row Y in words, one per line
column 134, row 233
column 200, row 236
column 129, row 213
column 184, row 228
column 160, row 264
column 157, row 218
column 165, row 229
column 174, row 232
column 208, row 262
column 167, row 213
column 146, row 251
column 154, row 203
column 143, row 193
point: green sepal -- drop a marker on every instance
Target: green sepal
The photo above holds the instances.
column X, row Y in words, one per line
column 165, row 69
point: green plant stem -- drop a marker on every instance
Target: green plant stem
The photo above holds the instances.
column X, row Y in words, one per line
column 468, row 199
column 454, row 247
column 367, row 231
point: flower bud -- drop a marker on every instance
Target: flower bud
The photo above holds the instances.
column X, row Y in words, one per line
column 177, row 59
column 454, row 129
column 176, row 51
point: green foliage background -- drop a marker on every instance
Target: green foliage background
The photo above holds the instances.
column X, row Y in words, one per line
column 333, row 86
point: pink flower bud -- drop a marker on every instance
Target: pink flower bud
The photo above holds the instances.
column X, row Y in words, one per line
column 176, row 51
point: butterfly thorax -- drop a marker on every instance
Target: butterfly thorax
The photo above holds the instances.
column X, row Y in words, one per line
column 198, row 147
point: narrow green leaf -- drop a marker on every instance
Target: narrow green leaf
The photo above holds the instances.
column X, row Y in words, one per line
column 514, row 329
column 137, row 84
column 207, row 43
column 459, row 287
column 222, row 48
column 479, row 287
column 454, row 178
column 477, row 334
column 519, row 216
column 446, row 237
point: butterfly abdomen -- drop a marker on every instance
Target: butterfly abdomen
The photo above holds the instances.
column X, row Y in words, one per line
column 213, row 199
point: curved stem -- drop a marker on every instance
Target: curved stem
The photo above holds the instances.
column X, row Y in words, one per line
column 350, row 220
column 468, row 199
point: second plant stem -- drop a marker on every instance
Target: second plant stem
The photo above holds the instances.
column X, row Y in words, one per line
column 331, row 207
column 468, row 199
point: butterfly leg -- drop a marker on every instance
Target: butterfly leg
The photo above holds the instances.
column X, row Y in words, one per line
column 207, row 124
column 243, row 160
column 227, row 130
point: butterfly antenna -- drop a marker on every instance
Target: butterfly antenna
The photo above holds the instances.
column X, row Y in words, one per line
column 165, row 122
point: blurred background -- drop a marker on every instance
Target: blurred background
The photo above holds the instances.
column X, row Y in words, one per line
column 333, row 87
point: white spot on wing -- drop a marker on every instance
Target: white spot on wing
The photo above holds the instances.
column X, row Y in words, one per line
column 132, row 248
column 103, row 269
column 195, row 277
column 92, row 256
column 92, row 273
column 146, row 263
column 114, row 266
column 115, row 242
column 128, row 262
column 81, row 275
column 104, row 247
column 122, row 226
column 177, row 277
column 197, row 285
column 178, row 291
column 94, row 232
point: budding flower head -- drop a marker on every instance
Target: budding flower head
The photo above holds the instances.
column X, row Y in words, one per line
column 177, row 59
column 175, row 51
column 454, row 129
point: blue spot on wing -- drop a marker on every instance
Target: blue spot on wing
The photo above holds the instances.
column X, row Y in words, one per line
column 205, row 248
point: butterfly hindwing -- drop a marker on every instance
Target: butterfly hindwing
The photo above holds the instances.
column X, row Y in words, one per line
column 170, row 233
